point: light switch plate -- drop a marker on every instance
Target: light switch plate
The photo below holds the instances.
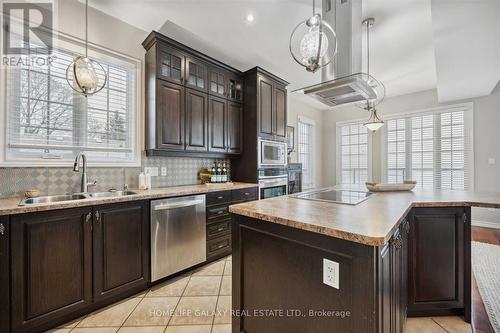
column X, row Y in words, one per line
column 491, row 161
column 163, row 171
column 153, row 171
column 331, row 273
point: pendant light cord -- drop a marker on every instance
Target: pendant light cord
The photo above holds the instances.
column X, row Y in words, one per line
column 368, row 47
column 86, row 27
column 314, row 7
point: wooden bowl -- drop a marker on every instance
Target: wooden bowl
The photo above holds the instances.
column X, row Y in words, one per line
column 407, row 185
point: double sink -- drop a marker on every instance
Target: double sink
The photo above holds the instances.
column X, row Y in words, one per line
column 71, row 197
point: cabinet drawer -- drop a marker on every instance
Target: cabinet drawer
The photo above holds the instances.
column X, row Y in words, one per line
column 217, row 198
column 218, row 229
column 217, row 213
column 245, row 194
column 219, row 246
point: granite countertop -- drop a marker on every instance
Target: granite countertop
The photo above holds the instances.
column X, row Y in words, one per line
column 371, row 222
column 10, row 206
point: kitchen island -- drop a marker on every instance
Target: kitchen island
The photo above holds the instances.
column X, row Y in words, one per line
column 397, row 254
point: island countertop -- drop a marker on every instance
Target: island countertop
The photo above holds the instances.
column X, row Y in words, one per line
column 371, row 222
column 10, row 206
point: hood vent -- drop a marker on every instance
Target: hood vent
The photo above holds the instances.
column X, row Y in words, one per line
column 342, row 80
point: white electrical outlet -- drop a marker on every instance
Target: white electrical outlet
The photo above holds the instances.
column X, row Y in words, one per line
column 491, row 161
column 147, row 170
column 153, row 171
column 331, row 273
column 163, row 171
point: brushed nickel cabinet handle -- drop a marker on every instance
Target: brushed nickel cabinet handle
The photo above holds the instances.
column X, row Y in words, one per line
column 220, row 198
column 88, row 217
column 97, row 216
column 2, row 229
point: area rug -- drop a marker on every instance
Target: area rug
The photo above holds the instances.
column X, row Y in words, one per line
column 486, row 268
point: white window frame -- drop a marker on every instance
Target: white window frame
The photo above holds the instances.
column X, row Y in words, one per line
column 338, row 148
column 308, row 121
column 468, row 109
column 97, row 52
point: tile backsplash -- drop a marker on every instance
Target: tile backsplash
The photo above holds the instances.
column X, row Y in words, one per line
column 180, row 171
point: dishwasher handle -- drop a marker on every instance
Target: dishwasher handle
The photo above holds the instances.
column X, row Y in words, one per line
column 180, row 204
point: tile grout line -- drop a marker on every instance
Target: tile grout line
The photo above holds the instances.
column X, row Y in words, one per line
column 178, row 301
column 218, row 295
column 135, row 307
column 444, row 329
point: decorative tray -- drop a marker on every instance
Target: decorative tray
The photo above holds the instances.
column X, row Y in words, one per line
column 407, row 185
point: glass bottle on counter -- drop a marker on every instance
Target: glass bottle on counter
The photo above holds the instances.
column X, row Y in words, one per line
column 224, row 173
column 219, row 173
column 213, row 174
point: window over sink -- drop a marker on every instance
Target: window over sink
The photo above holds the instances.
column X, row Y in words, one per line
column 47, row 123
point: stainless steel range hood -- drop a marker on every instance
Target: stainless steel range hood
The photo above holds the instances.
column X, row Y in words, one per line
column 342, row 79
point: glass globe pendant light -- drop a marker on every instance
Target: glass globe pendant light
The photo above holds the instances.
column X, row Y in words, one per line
column 82, row 73
column 313, row 43
column 374, row 123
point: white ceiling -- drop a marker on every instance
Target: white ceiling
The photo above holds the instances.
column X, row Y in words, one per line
column 402, row 39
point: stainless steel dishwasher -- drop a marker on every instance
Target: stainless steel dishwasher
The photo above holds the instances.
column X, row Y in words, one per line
column 178, row 235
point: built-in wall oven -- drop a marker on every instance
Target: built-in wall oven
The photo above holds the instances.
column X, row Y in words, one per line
column 273, row 182
column 271, row 154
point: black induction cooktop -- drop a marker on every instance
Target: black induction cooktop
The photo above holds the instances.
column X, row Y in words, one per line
column 348, row 197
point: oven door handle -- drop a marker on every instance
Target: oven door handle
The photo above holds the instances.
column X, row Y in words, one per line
column 269, row 183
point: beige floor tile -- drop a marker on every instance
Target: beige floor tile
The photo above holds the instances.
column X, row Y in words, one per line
column 142, row 329
column 173, row 287
column 226, row 286
column 453, row 324
column 221, row 328
column 95, row 330
column 229, row 258
column 228, row 270
column 59, row 330
column 152, row 311
column 223, row 311
column 189, row 329
column 113, row 315
column 141, row 294
column 422, row 325
column 203, row 286
column 216, row 268
column 197, row 310
column 72, row 324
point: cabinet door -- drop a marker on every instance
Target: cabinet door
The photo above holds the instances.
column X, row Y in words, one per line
column 4, row 274
column 235, row 88
column 121, row 256
column 235, row 127
column 436, row 275
column 196, row 120
column 279, row 113
column 170, row 64
column 170, row 116
column 218, row 82
column 51, row 267
column 385, row 289
column 265, row 107
column 196, row 74
column 217, row 122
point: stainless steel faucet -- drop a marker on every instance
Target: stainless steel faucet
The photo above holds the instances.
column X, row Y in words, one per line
column 84, row 186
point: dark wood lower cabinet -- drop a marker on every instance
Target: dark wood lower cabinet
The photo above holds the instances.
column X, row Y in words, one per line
column 121, row 249
column 4, row 274
column 439, row 257
column 51, row 267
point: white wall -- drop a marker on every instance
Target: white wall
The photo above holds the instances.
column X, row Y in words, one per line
column 486, row 138
column 296, row 107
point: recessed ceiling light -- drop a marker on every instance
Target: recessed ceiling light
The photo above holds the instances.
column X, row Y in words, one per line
column 249, row 18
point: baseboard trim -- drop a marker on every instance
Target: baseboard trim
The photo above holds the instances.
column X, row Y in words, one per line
column 485, row 224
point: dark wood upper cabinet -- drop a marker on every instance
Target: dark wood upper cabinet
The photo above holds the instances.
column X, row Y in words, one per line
column 235, row 124
column 181, row 119
column 279, row 112
column 4, row 274
column 121, row 249
column 217, row 124
column 196, row 120
column 218, row 82
column 437, row 257
column 235, row 87
column 51, row 257
column 171, row 64
column 266, row 102
column 170, row 116
column 196, row 74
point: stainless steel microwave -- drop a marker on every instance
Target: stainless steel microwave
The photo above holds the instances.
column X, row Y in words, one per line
column 271, row 153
